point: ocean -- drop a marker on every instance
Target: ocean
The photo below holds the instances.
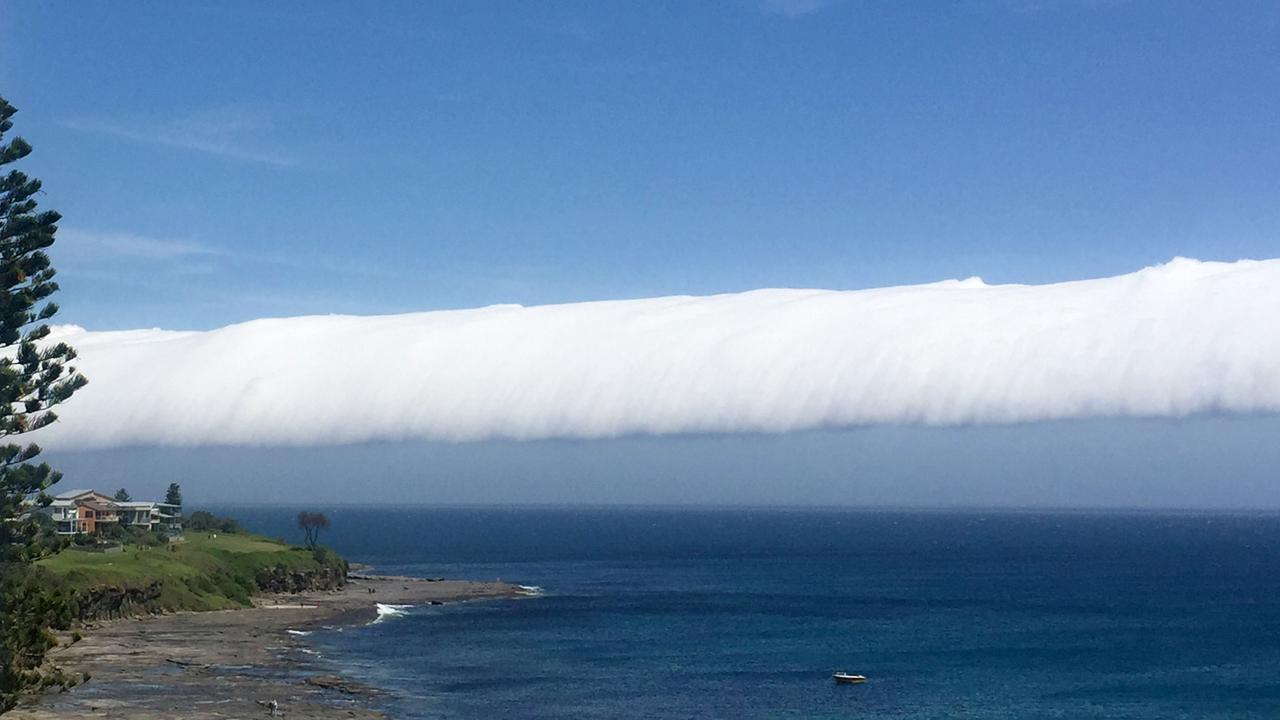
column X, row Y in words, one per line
column 679, row 613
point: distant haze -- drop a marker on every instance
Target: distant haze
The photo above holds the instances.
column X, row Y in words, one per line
column 1199, row 462
column 1167, row 342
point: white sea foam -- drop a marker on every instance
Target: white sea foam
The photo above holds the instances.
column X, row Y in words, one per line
column 529, row 589
column 386, row 610
column 1168, row 341
column 302, row 633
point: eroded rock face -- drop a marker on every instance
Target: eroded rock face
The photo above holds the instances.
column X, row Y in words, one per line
column 109, row 602
column 283, row 580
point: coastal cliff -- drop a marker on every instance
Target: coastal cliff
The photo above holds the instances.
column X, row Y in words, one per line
column 204, row 572
column 216, row 665
column 288, row 581
column 112, row 602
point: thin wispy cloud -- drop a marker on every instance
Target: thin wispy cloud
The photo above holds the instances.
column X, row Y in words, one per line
column 80, row 244
column 229, row 134
column 197, row 269
column 795, row 8
column 88, row 244
column 1169, row 341
column 1034, row 6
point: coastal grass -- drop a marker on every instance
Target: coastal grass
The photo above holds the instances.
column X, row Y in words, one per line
column 203, row 572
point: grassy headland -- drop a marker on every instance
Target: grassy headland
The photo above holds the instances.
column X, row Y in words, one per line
column 203, row 572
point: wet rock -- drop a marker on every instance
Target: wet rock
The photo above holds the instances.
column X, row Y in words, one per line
column 340, row 684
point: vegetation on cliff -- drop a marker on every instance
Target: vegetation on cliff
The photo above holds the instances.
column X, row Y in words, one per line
column 207, row 571
column 32, row 605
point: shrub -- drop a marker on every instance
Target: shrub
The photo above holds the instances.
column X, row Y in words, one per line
column 31, row 602
column 204, row 521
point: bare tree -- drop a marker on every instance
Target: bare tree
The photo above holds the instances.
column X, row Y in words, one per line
column 312, row 523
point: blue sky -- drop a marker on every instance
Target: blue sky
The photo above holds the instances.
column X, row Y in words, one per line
column 222, row 162
column 219, row 162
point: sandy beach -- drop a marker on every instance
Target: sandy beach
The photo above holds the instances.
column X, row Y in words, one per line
column 234, row 663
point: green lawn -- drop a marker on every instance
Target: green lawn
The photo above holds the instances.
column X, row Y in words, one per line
column 202, row 572
column 234, row 543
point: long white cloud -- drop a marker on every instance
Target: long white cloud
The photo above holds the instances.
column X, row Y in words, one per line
column 1168, row 341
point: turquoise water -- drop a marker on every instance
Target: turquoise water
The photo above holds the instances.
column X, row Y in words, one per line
column 745, row 614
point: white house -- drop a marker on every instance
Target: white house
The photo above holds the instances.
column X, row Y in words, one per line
column 155, row 515
column 83, row 511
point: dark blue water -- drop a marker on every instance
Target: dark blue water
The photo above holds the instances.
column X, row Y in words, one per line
column 745, row 614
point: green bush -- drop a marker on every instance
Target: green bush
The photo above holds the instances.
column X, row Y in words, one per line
column 205, row 521
column 31, row 602
column 111, row 531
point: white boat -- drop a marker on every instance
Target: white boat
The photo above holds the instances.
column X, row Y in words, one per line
column 845, row 678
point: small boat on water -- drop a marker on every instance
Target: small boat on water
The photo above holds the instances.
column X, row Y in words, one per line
column 845, row 678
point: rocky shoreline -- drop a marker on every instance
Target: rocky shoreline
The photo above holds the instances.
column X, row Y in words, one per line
column 236, row 663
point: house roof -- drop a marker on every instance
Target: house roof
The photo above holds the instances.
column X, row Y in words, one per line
column 77, row 494
column 72, row 494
